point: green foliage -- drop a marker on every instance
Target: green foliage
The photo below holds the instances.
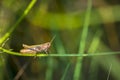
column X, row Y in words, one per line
column 90, row 53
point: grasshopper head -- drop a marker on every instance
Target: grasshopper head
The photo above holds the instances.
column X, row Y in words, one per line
column 47, row 45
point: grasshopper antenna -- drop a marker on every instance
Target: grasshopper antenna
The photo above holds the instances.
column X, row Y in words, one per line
column 52, row 39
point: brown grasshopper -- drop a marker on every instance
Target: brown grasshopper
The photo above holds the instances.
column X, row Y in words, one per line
column 37, row 48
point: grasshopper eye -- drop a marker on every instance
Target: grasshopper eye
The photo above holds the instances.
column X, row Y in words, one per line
column 48, row 44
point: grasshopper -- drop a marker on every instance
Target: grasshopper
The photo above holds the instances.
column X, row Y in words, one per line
column 37, row 48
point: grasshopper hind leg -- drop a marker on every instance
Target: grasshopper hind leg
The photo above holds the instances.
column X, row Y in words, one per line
column 46, row 52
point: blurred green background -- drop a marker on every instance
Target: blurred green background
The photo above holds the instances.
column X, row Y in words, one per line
column 86, row 46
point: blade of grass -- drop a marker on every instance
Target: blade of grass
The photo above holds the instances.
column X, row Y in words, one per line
column 77, row 72
column 49, row 71
column 31, row 4
column 95, row 42
column 109, row 72
column 60, row 49
column 93, row 47
column 105, row 63
column 2, row 61
column 12, row 29
column 65, row 72
column 2, row 66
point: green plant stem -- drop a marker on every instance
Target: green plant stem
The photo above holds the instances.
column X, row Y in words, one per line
column 95, row 42
column 59, row 55
column 77, row 72
column 65, row 72
column 60, row 48
column 93, row 48
column 19, row 20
